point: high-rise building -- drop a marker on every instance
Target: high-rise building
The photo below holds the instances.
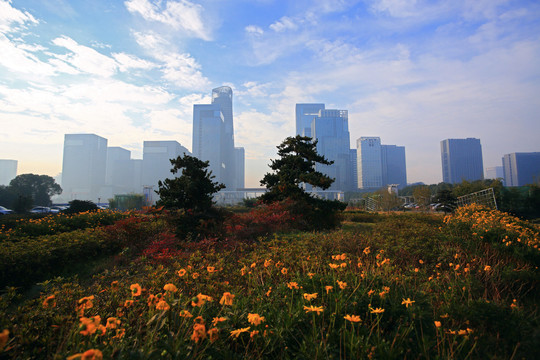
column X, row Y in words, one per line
column 394, row 166
column 305, row 113
column 461, row 160
column 354, row 169
column 213, row 136
column 83, row 167
column 8, row 171
column 115, row 155
column 240, row 167
column 369, row 162
column 331, row 130
column 494, row 172
column 521, row 168
column 156, row 164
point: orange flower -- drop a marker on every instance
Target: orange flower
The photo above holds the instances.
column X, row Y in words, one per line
column 310, row 297
column 370, row 292
column 407, row 302
column 170, row 288
column 92, row 354
column 128, row 303
column 284, row 271
column 211, row 269
column 136, row 289
column 343, row 265
column 227, row 299
column 49, row 301
column 253, row 333
column 255, row 319
column 201, row 300
column 119, row 333
column 367, row 251
column 269, row 291
column 310, row 274
column 437, row 324
column 195, row 275
column 352, row 318
column 292, row 285
column 217, row 320
column 328, row 288
column 333, row 266
column 162, row 305
column 181, row 272
column 311, row 308
column 114, row 285
column 90, row 325
column 112, row 323
column 487, row 268
column 4, row 337
column 213, row 334
column 237, row 332
column 377, row 310
column 84, row 304
column 185, row 314
column 199, row 332
column 342, row 284
column 267, row 263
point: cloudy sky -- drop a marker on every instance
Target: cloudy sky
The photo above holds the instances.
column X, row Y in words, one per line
column 413, row 72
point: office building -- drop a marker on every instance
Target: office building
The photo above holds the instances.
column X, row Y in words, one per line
column 156, row 164
column 115, row 156
column 494, row 172
column 369, row 163
column 8, row 171
column 213, row 136
column 240, row 167
column 461, row 160
column 354, row 169
column 394, row 168
column 305, row 113
column 521, row 168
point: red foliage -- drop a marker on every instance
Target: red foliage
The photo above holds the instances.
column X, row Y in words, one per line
column 163, row 248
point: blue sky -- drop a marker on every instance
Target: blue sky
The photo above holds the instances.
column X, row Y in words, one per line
column 413, row 72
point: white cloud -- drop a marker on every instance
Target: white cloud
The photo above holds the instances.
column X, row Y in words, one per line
column 181, row 15
column 283, row 24
column 16, row 58
column 252, row 29
column 10, row 17
column 85, row 58
column 127, row 62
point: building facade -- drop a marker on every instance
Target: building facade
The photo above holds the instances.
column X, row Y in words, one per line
column 83, row 167
column 494, row 172
column 8, row 171
column 369, row 163
column 521, row 168
column 305, row 113
column 394, row 165
column 461, row 160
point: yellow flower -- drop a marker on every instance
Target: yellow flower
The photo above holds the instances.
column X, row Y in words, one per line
column 92, row 354
column 135, row 289
column 311, row 308
column 237, row 332
column 49, row 301
column 112, row 323
column 284, row 271
column 487, row 268
column 227, row 299
column 377, row 311
column 185, row 314
column 255, row 319
column 4, row 337
column 201, row 300
column 342, row 284
column 195, row 275
column 437, row 324
column 352, row 318
column 328, row 288
column 407, row 302
column 292, row 285
column 310, row 297
column 128, row 303
column 333, row 266
column 181, row 272
column 170, row 288
column 217, row 320
column 211, row 269
column 162, row 305
column 199, row 332
column 213, row 334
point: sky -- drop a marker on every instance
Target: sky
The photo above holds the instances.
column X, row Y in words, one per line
column 413, row 72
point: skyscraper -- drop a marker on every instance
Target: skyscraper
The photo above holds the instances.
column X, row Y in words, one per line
column 461, row 160
column 240, row 167
column 369, row 160
column 521, row 168
column 495, row 172
column 83, row 167
column 213, row 136
column 8, row 171
column 394, row 166
column 305, row 113
column 331, row 130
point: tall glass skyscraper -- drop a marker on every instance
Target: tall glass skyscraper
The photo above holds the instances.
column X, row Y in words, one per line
column 305, row 113
column 521, row 168
column 369, row 160
column 461, row 160
column 213, row 137
column 394, row 168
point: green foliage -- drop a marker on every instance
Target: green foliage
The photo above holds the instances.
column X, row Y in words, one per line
column 79, row 206
column 446, row 199
column 193, row 189
column 126, row 202
column 422, row 196
column 39, row 188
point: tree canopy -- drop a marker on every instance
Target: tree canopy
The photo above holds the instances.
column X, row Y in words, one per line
column 38, row 188
column 192, row 190
column 296, row 165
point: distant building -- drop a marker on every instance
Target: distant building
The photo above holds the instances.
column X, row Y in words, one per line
column 354, row 169
column 495, row 172
column 305, row 113
column 461, row 160
column 156, row 163
column 394, row 166
column 8, row 171
column 240, row 167
column 521, row 168
column 213, row 136
column 83, row 166
column 369, row 163
column 115, row 155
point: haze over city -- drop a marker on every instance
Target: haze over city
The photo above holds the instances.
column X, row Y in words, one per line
column 411, row 72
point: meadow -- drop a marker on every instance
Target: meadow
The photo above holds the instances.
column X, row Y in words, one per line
column 383, row 286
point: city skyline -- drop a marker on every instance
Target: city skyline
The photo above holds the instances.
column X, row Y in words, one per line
column 413, row 73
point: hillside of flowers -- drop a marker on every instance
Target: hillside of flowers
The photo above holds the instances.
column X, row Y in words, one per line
column 383, row 286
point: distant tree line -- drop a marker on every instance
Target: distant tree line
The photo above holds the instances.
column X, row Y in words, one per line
column 27, row 190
